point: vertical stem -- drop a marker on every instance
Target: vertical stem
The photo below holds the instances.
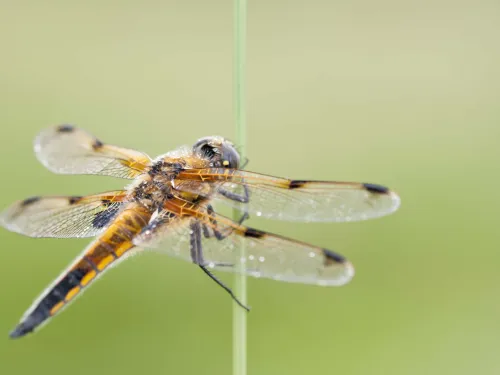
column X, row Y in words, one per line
column 240, row 283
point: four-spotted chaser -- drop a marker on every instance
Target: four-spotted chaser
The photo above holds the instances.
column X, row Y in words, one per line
column 169, row 206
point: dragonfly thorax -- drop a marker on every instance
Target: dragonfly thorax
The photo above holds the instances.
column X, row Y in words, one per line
column 153, row 189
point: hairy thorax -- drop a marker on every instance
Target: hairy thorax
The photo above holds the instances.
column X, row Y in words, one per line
column 153, row 188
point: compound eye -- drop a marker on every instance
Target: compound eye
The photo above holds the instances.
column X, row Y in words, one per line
column 204, row 149
column 208, row 151
column 230, row 157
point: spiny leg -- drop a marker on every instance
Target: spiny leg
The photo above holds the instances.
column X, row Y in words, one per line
column 197, row 257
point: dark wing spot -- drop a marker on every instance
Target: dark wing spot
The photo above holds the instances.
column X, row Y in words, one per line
column 75, row 199
column 377, row 189
column 331, row 257
column 254, row 233
column 66, row 128
column 97, row 144
column 103, row 218
column 29, row 201
column 294, row 184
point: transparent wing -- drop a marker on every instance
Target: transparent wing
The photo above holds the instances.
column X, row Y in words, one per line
column 267, row 255
column 68, row 150
column 293, row 200
column 63, row 217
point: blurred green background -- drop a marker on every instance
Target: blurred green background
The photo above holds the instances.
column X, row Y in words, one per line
column 404, row 94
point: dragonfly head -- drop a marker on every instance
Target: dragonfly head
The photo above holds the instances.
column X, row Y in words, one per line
column 219, row 151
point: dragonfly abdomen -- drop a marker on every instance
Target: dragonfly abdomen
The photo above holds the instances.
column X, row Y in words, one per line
column 106, row 250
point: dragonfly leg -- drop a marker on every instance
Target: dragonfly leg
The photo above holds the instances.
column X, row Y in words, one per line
column 227, row 289
column 217, row 233
column 195, row 243
column 197, row 257
column 242, row 198
column 244, row 164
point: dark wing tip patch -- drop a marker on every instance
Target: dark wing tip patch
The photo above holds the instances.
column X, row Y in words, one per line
column 97, row 145
column 294, row 184
column 377, row 189
column 65, row 128
column 254, row 233
column 75, row 199
column 30, row 200
column 330, row 257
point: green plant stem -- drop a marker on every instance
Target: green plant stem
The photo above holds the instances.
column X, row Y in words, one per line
column 240, row 284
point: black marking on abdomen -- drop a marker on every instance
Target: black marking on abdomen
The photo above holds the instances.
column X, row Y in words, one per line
column 29, row 201
column 60, row 290
column 377, row 189
column 53, row 297
column 65, row 128
column 294, row 184
column 28, row 325
column 72, row 279
column 254, row 233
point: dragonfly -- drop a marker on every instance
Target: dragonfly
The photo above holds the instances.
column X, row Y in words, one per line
column 169, row 206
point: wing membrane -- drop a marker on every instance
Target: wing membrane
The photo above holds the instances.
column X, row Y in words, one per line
column 63, row 217
column 68, row 150
column 293, row 200
column 267, row 255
